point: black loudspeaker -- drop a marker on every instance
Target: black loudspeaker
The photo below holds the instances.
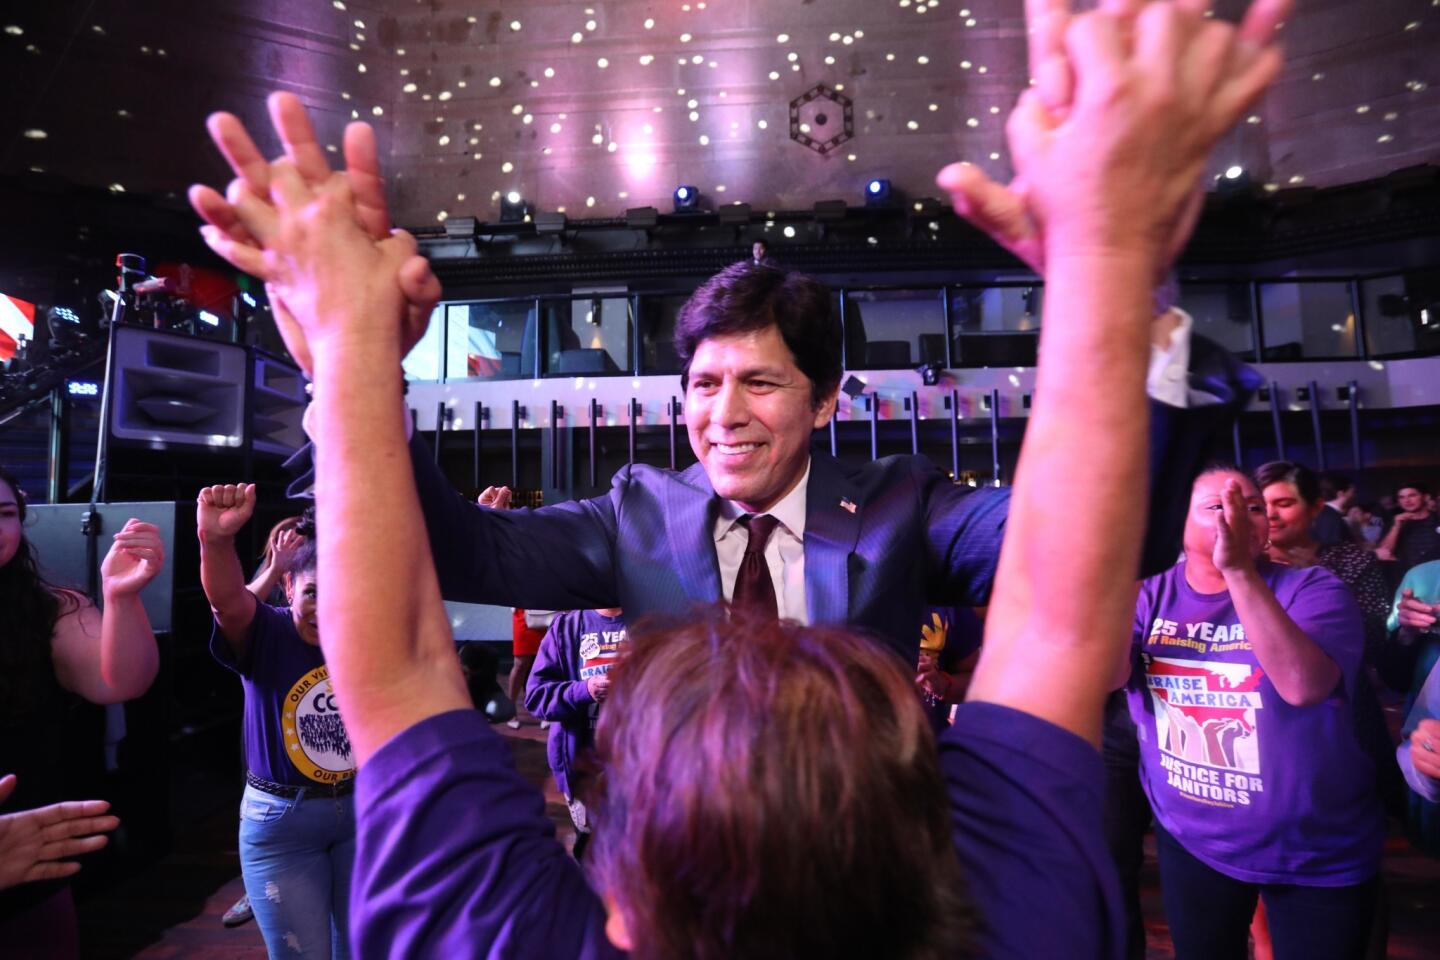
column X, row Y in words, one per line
column 174, row 390
column 278, row 400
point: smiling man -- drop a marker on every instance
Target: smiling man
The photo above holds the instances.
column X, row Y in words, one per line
column 762, row 520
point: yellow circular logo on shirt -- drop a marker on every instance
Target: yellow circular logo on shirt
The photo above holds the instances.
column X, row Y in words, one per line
column 315, row 737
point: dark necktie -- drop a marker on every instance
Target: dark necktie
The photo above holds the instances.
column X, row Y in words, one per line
column 754, row 590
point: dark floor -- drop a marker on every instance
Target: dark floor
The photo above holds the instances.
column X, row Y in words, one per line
column 173, row 909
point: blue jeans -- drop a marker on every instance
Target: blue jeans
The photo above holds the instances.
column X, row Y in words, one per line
column 296, row 856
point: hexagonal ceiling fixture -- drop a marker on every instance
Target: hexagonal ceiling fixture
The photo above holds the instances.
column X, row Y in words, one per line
column 822, row 119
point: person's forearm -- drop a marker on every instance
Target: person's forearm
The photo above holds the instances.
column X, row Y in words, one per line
column 1087, row 435
column 1302, row 673
column 264, row 583
column 558, row 700
column 129, row 658
column 221, row 575
column 387, row 642
column 1387, row 543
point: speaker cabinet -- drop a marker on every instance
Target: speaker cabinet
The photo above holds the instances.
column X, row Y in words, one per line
column 278, row 400
column 173, row 390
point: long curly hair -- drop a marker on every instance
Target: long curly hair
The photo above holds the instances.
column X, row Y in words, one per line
column 32, row 605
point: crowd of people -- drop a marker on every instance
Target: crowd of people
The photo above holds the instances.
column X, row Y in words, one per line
column 800, row 707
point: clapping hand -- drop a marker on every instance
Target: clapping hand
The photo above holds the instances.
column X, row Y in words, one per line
column 1234, row 550
column 136, row 555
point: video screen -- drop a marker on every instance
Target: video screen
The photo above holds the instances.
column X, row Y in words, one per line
column 17, row 319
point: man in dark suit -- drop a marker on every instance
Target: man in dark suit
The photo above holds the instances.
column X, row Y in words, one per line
column 869, row 545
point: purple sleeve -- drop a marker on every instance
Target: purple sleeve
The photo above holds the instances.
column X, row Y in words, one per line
column 456, row 858
column 1323, row 607
column 1025, row 801
column 258, row 638
column 553, row 692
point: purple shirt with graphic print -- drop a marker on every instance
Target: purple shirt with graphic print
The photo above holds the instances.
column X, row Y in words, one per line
column 1260, row 790
column 292, row 727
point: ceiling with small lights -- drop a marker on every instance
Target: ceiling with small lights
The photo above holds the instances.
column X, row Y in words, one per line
column 592, row 108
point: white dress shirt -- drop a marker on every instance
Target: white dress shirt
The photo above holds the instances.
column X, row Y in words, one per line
column 784, row 552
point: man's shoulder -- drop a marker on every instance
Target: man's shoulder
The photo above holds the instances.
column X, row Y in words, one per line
column 644, row 477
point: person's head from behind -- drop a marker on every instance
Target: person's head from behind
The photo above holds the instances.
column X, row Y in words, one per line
column 761, row 349
column 1293, row 499
column 771, row 789
column 1206, row 509
column 299, row 583
column 1412, row 496
column 1337, row 487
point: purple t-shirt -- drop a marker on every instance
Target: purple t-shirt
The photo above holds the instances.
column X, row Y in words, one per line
column 456, row 858
column 1260, row 790
column 580, row 644
column 293, row 731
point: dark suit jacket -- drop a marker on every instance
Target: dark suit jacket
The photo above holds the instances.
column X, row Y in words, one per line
column 648, row 545
column 1330, row 527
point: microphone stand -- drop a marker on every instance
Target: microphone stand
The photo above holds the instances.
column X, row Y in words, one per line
column 131, row 268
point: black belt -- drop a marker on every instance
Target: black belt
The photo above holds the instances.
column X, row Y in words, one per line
column 339, row 788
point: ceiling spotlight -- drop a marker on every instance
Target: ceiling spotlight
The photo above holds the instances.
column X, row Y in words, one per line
column 877, row 193
column 513, row 208
column 1234, row 172
column 687, row 198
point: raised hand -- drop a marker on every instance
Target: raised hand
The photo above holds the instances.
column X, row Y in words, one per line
column 229, row 236
column 1234, row 532
column 324, row 266
column 35, row 844
column 1007, row 214
column 287, row 545
column 221, row 510
column 136, row 555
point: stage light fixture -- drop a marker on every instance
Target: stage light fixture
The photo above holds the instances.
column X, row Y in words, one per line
column 513, row 208
column 687, row 198
column 877, row 192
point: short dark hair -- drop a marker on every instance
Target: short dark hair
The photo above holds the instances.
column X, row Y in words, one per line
column 750, row 296
column 1333, row 484
column 1413, row 483
column 1284, row 471
column 772, row 789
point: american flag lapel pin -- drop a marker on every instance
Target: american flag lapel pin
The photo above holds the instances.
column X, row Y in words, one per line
column 847, row 505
